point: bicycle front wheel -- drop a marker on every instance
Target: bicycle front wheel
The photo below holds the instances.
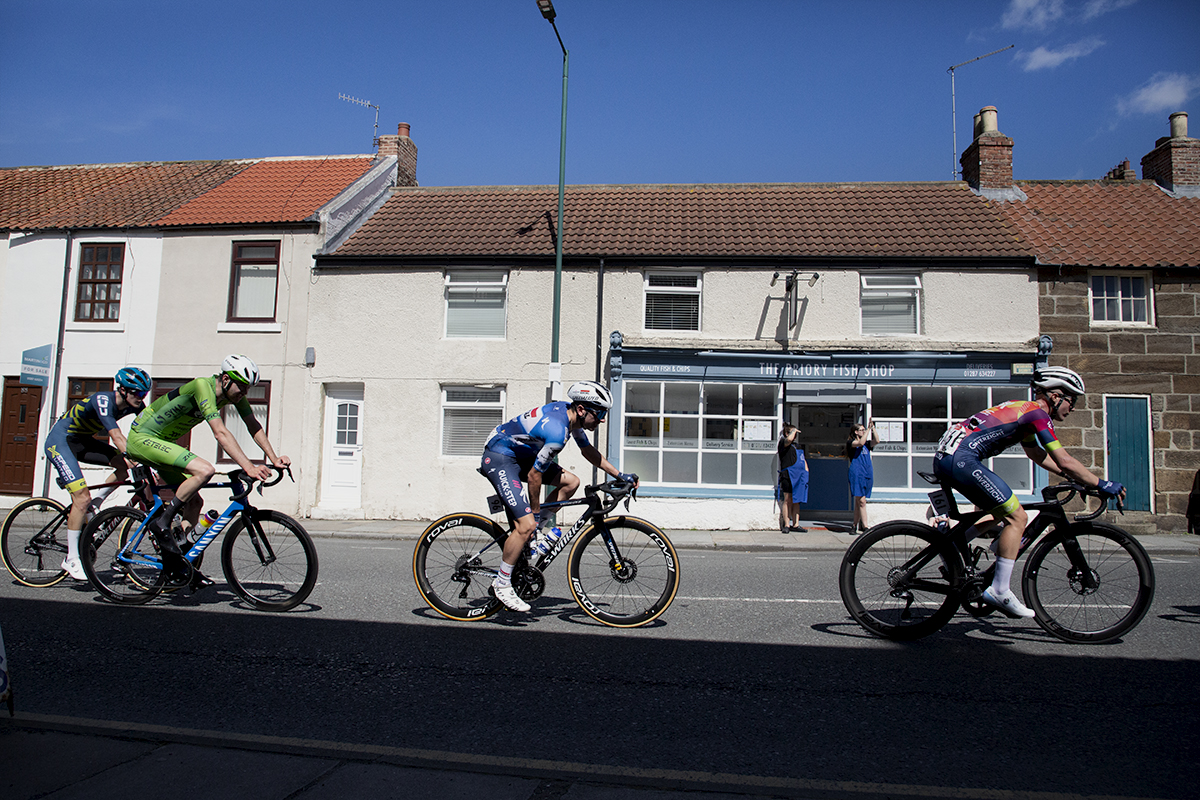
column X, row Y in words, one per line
column 1088, row 582
column 120, row 557
column 900, row 579
column 632, row 590
column 33, row 542
column 454, row 564
column 269, row 560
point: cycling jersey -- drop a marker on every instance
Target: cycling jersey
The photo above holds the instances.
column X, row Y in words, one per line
column 72, row 439
column 537, row 436
column 994, row 430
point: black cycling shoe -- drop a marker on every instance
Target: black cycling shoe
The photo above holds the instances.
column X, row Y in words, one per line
column 199, row 581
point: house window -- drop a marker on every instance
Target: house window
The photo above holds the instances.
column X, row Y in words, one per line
column 672, row 301
column 891, row 304
column 714, row 434
column 476, row 304
column 1120, row 299
column 83, row 388
column 259, row 396
column 98, row 297
column 253, row 279
column 469, row 413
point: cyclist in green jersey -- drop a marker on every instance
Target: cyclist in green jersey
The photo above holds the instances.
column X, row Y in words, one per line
column 152, row 441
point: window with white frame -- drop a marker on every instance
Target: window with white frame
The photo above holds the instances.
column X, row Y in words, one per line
column 1121, row 298
column 672, row 301
column 715, row 434
column 891, row 304
column 911, row 419
column 469, row 413
column 253, row 282
column 476, row 304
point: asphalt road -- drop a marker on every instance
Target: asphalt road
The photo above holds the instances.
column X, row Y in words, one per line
column 755, row 670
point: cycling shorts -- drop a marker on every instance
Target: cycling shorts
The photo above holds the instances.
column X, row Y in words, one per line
column 507, row 474
column 167, row 458
column 980, row 485
column 65, row 452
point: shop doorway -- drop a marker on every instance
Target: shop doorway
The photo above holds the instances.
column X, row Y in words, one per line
column 824, row 427
column 19, row 436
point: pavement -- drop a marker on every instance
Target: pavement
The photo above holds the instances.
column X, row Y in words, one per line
column 63, row 758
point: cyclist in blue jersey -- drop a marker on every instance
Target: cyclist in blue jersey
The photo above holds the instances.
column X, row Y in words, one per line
column 519, row 459
column 78, row 435
column 962, row 450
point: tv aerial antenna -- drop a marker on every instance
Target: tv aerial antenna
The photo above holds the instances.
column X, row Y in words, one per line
column 953, row 113
column 368, row 104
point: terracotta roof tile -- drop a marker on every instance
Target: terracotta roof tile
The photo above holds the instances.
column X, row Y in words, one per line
column 274, row 190
column 1107, row 224
column 104, row 195
column 735, row 220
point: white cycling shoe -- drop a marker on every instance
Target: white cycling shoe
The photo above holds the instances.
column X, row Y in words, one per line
column 1008, row 603
column 74, row 569
column 508, row 596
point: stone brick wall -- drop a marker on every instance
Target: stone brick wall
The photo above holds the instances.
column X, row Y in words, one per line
column 987, row 163
column 1162, row 361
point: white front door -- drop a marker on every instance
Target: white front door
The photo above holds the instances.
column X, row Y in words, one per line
column 341, row 472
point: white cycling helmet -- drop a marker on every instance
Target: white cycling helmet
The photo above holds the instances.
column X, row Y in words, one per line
column 591, row 394
column 1050, row 378
column 241, row 369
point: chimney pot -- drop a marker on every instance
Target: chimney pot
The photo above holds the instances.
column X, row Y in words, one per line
column 987, row 116
column 1179, row 129
column 403, row 130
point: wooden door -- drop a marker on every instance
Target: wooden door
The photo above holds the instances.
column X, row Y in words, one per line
column 19, row 436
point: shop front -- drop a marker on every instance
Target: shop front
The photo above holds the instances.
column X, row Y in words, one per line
column 704, row 423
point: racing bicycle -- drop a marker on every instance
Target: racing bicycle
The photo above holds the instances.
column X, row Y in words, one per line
column 33, row 541
column 268, row 558
column 623, row 571
column 1086, row 581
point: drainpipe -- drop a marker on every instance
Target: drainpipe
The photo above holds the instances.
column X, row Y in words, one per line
column 599, row 340
column 58, row 351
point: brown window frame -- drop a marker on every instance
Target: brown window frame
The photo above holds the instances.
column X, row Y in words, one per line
column 86, row 285
column 83, row 388
column 236, row 262
column 232, row 419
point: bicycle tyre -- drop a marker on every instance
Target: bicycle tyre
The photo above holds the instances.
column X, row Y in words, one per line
column 33, row 525
column 269, row 560
column 636, row 593
column 454, row 563
column 1062, row 602
column 120, row 557
column 885, row 601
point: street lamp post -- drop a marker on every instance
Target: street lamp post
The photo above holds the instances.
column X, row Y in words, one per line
column 547, row 9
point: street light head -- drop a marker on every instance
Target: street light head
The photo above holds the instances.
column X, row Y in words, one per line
column 813, row 280
column 547, row 9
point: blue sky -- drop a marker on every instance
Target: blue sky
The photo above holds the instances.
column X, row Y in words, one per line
column 661, row 91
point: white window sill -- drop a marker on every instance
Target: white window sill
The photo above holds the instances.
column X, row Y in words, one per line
column 249, row 327
column 96, row 327
column 1113, row 325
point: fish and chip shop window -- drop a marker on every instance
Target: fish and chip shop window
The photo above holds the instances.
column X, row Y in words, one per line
column 911, row 419
column 693, row 433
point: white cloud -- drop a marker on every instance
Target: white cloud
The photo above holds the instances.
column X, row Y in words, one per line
column 1166, row 91
column 1042, row 58
column 1095, row 8
column 1035, row 14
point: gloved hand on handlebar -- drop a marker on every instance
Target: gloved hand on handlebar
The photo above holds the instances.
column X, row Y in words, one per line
column 1110, row 488
column 628, row 477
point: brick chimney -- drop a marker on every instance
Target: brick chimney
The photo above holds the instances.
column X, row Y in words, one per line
column 405, row 151
column 987, row 163
column 1122, row 172
column 1174, row 163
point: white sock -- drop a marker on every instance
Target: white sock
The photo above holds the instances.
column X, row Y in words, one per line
column 102, row 493
column 1000, row 581
column 505, row 576
column 72, row 544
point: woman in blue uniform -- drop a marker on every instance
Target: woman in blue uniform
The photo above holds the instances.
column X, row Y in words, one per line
column 793, row 480
column 862, row 441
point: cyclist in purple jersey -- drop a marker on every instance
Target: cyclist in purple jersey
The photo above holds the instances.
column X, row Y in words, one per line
column 519, row 459
column 963, row 448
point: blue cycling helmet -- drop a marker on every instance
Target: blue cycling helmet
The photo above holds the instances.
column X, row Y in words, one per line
column 134, row 379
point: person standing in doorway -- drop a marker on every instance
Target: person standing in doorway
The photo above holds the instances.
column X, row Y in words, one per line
column 862, row 441
column 793, row 479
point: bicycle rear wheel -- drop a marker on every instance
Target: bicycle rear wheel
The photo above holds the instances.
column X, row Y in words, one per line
column 120, row 557
column 633, row 591
column 269, row 560
column 33, row 542
column 900, row 579
column 1088, row 582
column 454, row 564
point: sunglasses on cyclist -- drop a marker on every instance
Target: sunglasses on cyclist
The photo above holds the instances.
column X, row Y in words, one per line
column 1070, row 398
column 598, row 413
column 132, row 393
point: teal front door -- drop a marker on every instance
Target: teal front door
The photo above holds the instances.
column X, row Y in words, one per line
column 1127, row 425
